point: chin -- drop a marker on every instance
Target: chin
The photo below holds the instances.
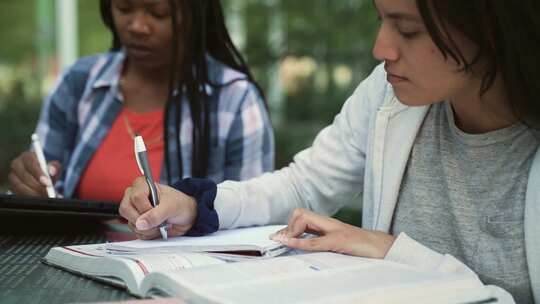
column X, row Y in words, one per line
column 413, row 100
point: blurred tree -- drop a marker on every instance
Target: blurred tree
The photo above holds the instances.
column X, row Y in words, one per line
column 325, row 52
column 18, row 30
column 18, row 113
column 93, row 35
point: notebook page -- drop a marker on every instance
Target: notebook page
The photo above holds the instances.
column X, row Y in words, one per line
column 253, row 237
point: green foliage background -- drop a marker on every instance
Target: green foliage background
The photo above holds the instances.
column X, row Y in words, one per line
column 318, row 37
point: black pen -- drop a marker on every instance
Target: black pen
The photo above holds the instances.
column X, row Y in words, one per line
column 144, row 167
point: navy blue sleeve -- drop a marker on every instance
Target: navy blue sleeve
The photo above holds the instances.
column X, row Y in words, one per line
column 204, row 191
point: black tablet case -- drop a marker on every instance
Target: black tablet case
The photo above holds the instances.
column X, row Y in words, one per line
column 37, row 206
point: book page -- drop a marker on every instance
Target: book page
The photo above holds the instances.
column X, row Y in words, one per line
column 322, row 277
column 348, row 285
column 170, row 262
column 253, row 238
column 146, row 262
column 122, row 270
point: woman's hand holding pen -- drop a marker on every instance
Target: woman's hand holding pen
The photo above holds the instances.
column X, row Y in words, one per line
column 27, row 178
column 178, row 209
column 332, row 235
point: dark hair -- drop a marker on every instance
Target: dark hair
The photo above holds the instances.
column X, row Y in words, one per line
column 507, row 36
column 207, row 35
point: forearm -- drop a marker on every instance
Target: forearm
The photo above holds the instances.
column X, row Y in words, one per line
column 322, row 178
column 263, row 200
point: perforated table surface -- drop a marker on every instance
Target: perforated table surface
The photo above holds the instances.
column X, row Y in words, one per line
column 25, row 279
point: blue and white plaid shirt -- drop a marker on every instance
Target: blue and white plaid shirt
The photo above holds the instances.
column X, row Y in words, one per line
column 86, row 100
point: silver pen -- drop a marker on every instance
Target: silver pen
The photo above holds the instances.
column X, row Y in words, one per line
column 144, row 166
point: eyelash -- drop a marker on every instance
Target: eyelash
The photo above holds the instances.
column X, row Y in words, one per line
column 408, row 35
column 126, row 10
column 160, row 15
column 123, row 9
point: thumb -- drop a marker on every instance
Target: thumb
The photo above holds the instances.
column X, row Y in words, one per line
column 155, row 216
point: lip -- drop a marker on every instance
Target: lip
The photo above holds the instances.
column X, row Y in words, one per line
column 395, row 79
column 137, row 50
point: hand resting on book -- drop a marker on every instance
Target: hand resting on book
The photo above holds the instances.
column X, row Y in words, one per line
column 175, row 207
column 332, row 235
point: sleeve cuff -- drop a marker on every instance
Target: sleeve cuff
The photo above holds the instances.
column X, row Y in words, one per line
column 406, row 250
column 204, row 192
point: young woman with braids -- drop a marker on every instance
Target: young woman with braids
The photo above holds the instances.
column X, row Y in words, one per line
column 174, row 76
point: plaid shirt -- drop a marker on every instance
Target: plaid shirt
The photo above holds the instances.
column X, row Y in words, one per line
column 86, row 100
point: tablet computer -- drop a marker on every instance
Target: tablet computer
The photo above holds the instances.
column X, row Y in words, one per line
column 27, row 205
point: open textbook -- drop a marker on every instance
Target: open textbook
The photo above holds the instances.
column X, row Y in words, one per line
column 158, row 270
column 305, row 278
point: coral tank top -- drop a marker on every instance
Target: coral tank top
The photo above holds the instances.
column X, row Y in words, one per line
column 113, row 167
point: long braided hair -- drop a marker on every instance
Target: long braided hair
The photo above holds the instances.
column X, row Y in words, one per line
column 207, row 34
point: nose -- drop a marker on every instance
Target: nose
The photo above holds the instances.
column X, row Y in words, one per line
column 139, row 24
column 385, row 48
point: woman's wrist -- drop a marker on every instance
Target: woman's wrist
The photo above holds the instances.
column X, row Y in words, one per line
column 365, row 243
column 382, row 242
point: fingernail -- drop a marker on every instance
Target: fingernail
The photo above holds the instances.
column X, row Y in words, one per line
column 142, row 225
column 44, row 181
column 52, row 170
